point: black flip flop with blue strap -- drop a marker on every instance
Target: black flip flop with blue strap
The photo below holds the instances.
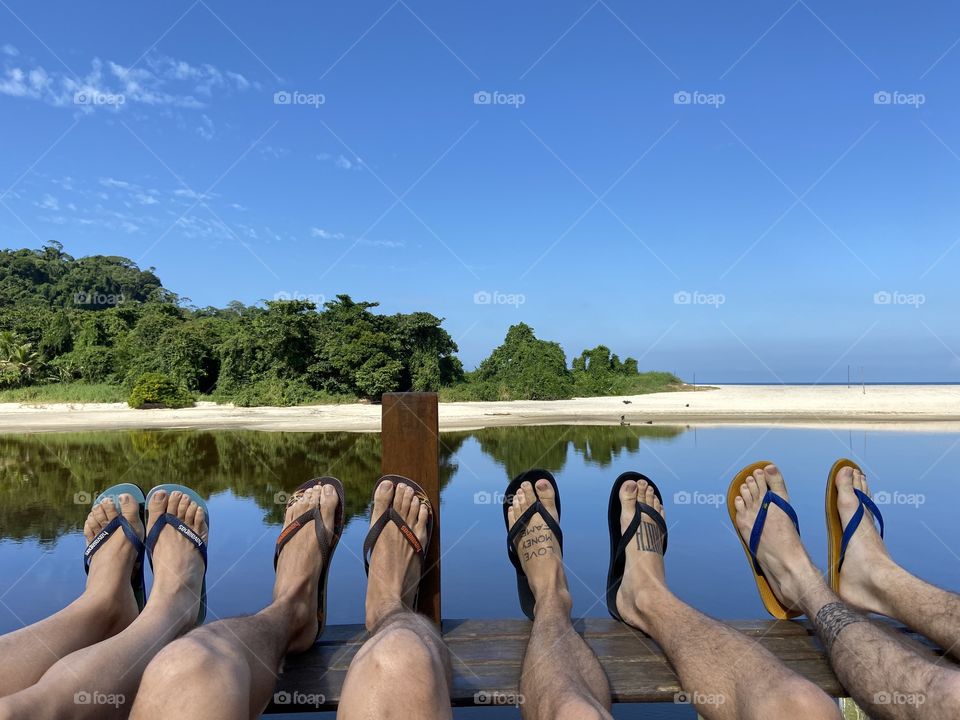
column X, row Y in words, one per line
column 619, row 541
column 121, row 523
column 181, row 527
column 327, row 546
column 527, row 600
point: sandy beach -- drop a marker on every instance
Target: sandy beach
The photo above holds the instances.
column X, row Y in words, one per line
column 894, row 407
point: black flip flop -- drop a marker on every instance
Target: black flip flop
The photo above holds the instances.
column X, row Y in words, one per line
column 391, row 515
column 527, row 601
column 327, row 547
column 619, row 541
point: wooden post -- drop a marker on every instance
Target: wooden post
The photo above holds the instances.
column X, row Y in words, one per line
column 410, row 437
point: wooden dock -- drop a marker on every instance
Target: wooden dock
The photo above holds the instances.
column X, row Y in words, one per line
column 487, row 653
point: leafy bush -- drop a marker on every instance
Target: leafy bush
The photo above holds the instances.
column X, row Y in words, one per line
column 158, row 390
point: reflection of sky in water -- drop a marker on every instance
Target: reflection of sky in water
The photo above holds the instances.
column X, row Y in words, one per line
column 705, row 565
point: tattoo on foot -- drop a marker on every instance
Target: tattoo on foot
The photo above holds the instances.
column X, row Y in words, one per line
column 832, row 619
column 650, row 538
column 536, row 541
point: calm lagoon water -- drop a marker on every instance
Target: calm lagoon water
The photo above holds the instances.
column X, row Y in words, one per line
column 46, row 482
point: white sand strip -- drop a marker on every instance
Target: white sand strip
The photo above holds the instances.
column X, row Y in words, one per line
column 895, row 407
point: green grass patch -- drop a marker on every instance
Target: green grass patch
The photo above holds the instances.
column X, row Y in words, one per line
column 77, row 392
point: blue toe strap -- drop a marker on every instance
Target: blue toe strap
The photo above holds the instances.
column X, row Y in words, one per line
column 848, row 532
column 109, row 529
column 181, row 527
column 770, row 497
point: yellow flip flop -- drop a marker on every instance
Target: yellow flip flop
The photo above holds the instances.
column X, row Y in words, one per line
column 837, row 535
column 770, row 601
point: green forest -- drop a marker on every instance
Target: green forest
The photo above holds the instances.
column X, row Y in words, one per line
column 99, row 328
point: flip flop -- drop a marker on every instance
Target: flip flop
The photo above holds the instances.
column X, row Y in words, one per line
column 619, row 541
column 327, row 547
column 770, row 601
column 178, row 525
column 121, row 523
column 527, row 601
column 839, row 537
column 391, row 515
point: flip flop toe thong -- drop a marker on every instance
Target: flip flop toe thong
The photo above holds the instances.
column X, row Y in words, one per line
column 181, row 527
column 620, row 540
column 391, row 515
column 527, row 601
column 770, row 601
column 121, row 523
column 327, row 545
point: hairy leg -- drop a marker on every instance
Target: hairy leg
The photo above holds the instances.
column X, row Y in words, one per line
column 872, row 582
column 561, row 676
column 725, row 674
column 228, row 669
column 886, row 677
column 101, row 681
column 106, row 606
column 403, row 670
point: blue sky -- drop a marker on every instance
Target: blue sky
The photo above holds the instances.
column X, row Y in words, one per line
column 766, row 192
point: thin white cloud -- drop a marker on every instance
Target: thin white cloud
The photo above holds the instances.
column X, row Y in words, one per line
column 49, row 202
column 9, row 50
column 341, row 161
column 205, row 129
column 325, row 234
column 160, row 81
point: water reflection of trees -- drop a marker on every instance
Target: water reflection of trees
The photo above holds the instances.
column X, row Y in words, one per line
column 548, row 446
column 42, row 475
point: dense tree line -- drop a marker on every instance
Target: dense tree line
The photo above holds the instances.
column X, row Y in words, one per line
column 101, row 319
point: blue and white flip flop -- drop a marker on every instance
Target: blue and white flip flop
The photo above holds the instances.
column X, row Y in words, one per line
column 121, row 523
column 181, row 527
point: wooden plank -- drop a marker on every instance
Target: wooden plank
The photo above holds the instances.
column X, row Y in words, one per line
column 487, row 655
column 410, row 435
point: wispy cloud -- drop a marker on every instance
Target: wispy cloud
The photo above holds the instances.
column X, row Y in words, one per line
column 341, row 161
column 327, row 235
column 160, row 81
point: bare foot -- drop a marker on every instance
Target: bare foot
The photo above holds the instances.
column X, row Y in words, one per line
column 866, row 559
column 539, row 550
column 177, row 566
column 299, row 566
column 782, row 557
column 395, row 568
column 112, row 565
column 643, row 577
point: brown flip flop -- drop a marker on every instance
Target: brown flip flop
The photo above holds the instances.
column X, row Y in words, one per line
column 327, row 547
